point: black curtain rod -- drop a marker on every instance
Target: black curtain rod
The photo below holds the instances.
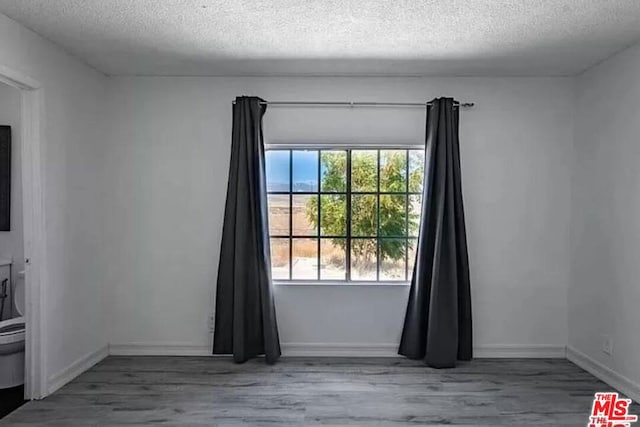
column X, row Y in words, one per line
column 360, row 104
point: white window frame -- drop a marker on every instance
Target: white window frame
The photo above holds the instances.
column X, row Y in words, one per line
column 341, row 146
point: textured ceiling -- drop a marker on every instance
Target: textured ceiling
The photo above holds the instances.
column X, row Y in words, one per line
column 335, row 37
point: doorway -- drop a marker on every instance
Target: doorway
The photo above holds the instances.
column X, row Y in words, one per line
column 12, row 325
column 33, row 257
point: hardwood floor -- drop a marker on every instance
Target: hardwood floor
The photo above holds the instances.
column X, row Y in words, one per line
column 198, row 391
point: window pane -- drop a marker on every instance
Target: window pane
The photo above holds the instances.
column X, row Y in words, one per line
column 411, row 259
column 277, row 170
column 280, row 259
column 278, row 214
column 318, row 222
column 333, row 171
column 393, row 171
column 364, row 170
column 393, row 214
column 392, row 259
column 305, row 259
column 416, row 170
column 305, row 215
column 363, row 259
column 305, row 171
column 332, row 259
column 415, row 207
column 333, row 215
column 364, row 215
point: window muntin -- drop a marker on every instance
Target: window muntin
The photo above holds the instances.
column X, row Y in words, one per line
column 343, row 215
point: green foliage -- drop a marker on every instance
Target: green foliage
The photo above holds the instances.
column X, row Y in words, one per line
column 334, row 167
column 364, row 212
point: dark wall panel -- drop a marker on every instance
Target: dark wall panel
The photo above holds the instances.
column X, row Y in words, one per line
column 5, row 178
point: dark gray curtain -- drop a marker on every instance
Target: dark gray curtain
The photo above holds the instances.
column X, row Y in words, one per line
column 437, row 326
column 245, row 323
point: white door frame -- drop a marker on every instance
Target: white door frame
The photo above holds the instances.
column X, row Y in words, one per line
column 32, row 134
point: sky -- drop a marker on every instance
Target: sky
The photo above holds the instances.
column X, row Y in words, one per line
column 305, row 169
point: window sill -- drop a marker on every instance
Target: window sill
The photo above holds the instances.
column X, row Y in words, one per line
column 339, row 283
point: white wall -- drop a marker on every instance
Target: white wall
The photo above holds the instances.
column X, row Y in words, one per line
column 168, row 160
column 604, row 296
column 72, row 179
column 134, row 204
column 11, row 242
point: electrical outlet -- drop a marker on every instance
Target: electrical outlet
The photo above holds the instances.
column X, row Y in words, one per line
column 607, row 344
column 211, row 322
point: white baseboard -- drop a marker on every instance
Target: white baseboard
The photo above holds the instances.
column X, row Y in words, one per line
column 159, row 349
column 288, row 349
column 67, row 374
column 599, row 370
column 391, row 350
column 339, row 350
column 614, row 379
column 518, row 351
column 293, row 349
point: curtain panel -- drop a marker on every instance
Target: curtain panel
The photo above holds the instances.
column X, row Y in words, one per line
column 437, row 326
column 245, row 318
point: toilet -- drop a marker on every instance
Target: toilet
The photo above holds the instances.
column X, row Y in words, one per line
column 12, row 336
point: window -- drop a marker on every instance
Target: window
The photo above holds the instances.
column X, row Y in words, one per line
column 343, row 215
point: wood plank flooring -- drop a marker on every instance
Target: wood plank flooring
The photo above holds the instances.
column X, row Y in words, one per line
column 199, row 391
